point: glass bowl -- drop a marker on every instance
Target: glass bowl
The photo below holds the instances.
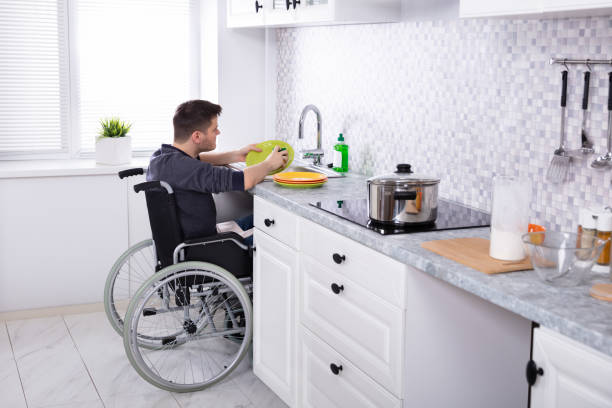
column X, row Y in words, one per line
column 562, row 258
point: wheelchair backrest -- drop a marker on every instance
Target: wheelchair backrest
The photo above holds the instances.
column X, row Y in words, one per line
column 163, row 217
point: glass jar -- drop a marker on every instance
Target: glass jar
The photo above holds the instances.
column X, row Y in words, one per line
column 509, row 217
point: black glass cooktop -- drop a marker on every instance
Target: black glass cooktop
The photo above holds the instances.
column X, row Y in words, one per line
column 451, row 215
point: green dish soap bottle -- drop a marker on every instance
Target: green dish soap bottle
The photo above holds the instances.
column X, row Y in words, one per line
column 341, row 155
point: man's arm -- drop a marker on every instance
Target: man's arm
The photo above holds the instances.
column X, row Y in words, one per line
column 223, row 158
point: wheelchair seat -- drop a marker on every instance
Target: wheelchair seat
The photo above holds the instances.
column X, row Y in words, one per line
column 227, row 250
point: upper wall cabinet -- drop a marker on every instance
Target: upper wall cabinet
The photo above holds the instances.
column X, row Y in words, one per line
column 535, row 8
column 291, row 13
column 245, row 13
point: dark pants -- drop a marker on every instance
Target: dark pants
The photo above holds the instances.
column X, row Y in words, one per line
column 246, row 223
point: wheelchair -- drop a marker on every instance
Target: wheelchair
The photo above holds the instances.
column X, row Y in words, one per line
column 183, row 307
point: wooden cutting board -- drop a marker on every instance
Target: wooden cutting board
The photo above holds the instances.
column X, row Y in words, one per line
column 474, row 252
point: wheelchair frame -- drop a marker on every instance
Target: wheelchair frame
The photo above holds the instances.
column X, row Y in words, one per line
column 192, row 331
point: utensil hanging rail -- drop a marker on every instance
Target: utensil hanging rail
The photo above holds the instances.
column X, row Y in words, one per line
column 580, row 61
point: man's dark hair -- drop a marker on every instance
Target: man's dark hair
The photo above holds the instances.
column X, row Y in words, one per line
column 191, row 116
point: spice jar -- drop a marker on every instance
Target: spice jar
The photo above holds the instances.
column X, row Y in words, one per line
column 604, row 231
column 587, row 230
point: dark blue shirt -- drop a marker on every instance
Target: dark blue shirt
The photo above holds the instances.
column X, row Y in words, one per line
column 193, row 182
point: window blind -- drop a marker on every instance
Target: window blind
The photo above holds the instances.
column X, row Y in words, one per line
column 138, row 59
column 33, row 77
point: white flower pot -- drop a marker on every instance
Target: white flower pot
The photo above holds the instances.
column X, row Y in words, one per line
column 114, row 150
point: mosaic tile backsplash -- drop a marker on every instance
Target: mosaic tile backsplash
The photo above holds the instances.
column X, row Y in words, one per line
column 463, row 100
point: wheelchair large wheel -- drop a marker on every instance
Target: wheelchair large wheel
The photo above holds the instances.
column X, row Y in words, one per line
column 127, row 275
column 190, row 343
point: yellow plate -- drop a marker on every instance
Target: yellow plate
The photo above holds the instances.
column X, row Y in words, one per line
column 300, row 185
column 300, row 176
column 267, row 147
column 301, row 182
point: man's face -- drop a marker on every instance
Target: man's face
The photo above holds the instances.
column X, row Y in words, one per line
column 208, row 139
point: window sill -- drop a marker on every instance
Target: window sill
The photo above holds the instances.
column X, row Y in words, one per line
column 62, row 168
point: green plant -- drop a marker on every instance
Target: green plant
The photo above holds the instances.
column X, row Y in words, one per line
column 113, row 127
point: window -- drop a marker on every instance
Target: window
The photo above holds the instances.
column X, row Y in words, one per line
column 65, row 64
column 34, row 89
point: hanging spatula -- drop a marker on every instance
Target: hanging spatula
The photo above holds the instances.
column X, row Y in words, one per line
column 561, row 161
column 586, row 148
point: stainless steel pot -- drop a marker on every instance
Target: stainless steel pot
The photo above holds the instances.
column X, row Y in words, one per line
column 403, row 198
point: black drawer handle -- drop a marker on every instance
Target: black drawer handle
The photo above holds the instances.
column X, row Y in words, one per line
column 532, row 372
column 339, row 258
column 335, row 368
column 268, row 222
column 257, row 6
column 337, row 289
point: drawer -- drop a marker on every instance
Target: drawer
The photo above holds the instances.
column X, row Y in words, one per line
column 319, row 387
column 275, row 221
column 370, row 269
column 362, row 327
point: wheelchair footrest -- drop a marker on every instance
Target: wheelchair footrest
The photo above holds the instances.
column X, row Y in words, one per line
column 149, row 311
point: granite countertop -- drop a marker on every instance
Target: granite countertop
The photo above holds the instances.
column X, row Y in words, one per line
column 570, row 311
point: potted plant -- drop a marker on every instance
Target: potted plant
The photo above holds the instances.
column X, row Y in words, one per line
column 113, row 145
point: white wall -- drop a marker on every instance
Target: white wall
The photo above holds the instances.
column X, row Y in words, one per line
column 237, row 81
column 59, row 237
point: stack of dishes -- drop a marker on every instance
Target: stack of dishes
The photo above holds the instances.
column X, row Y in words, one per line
column 300, row 179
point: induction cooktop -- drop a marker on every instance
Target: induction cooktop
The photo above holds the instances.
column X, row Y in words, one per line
column 451, row 215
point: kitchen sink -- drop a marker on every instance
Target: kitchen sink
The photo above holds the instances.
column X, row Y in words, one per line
column 298, row 165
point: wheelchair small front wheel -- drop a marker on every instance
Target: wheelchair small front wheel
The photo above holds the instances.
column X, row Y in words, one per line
column 130, row 271
column 191, row 344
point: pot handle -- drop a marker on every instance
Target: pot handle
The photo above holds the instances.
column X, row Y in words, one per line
column 405, row 195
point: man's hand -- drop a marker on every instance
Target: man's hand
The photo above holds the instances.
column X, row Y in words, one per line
column 277, row 159
column 256, row 173
column 242, row 153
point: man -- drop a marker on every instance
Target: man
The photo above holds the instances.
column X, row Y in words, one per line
column 194, row 171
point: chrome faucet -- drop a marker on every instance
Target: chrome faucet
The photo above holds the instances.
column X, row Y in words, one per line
column 315, row 154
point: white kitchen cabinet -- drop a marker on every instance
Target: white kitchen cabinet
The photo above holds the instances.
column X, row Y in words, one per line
column 362, row 327
column 483, row 8
column 535, row 8
column 573, row 375
column 289, row 13
column 575, row 5
column 339, row 386
column 245, row 13
column 402, row 337
column 59, row 237
column 274, row 324
column 277, row 14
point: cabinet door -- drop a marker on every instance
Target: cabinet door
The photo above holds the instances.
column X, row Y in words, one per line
column 481, row 8
column 277, row 13
column 59, row 237
column 355, row 322
column 315, row 11
column 573, row 374
column 328, row 380
column 564, row 5
column 245, row 13
column 274, row 321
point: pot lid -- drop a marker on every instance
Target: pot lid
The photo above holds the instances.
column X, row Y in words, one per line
column 403, row 175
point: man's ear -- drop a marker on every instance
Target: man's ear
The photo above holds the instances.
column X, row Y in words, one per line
column 196, row 136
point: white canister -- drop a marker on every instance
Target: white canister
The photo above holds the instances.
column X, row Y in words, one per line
column 509, row 217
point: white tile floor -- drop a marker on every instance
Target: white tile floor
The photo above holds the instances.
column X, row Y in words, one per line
column 78, row 361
